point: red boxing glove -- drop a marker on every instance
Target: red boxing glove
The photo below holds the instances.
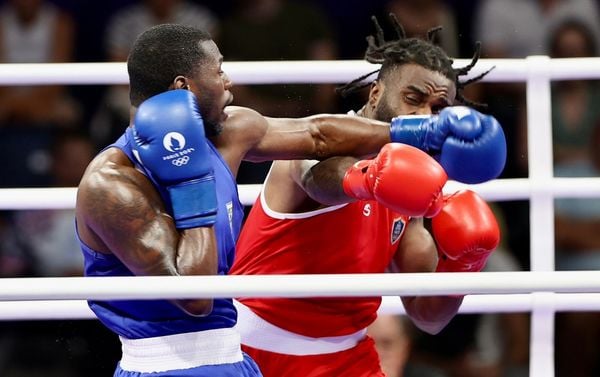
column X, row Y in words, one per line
column 466, row 232
column 402, row 178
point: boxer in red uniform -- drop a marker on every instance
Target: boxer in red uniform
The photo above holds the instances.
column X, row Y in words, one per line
column 348, row 216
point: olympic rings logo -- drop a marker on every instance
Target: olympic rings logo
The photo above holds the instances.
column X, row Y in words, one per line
column 181, row 161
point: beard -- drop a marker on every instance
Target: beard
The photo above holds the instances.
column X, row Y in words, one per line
column 383, row 112
column 212, row 129
column 212, row 124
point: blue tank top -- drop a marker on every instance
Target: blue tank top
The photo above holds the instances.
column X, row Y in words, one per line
column 136, row 319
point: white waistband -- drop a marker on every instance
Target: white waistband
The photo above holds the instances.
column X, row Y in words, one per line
column 181, row 351
column 260, row 334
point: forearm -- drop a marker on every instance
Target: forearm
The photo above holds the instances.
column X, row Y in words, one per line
column 322, row 182
column 344, row 135
column 316, row 137
column 417, row 253
column 432, row 313
column 162, row 250
column 172, row 252
column 197, row 255
column 197, row 252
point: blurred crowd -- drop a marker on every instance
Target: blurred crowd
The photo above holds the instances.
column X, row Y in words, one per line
column 49, row 133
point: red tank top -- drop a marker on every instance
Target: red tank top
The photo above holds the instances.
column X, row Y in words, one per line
column 359, row 237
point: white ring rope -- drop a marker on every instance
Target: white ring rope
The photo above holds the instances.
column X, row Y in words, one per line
column 504, row 303
column 277, row 72
column 497, row 190
column 324, row 285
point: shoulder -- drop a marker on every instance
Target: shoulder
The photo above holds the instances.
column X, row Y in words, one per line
column 111, row 178
column 114, row 201
column 243, row 127
column 108, row 163
column 238, row 116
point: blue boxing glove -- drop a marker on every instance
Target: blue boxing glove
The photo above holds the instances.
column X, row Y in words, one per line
column 469, row 145
column 169, row 141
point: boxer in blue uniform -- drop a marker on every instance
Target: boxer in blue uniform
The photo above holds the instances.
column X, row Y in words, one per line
column 162, row 200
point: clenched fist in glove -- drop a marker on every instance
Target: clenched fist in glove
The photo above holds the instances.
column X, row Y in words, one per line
column 466, row 232
column 469, row 145
column 168, row 138
column 402, row 178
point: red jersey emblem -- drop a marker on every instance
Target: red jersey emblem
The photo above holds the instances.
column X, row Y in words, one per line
column 397, row 230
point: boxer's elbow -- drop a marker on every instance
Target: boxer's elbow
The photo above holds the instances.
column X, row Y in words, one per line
column 430, row 327
column 326, row 138
column 432, row 314
column 196, row 308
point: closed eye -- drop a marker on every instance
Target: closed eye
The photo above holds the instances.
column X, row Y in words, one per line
column 412, row 99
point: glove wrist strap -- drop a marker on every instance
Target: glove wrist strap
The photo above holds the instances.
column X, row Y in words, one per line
column 355, row 182
column 409, row 129
column 194, row 202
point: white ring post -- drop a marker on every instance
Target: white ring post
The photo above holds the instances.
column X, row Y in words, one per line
column 541, row 210
column 541, row 354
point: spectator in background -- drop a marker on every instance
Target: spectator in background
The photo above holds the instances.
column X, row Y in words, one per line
column 576, row 137
column 393, row 340
column 47, row 237
column 33, row 31
column 516, row 29
column 131, row 21
column 419, row 16
column 43, row 243
column 575, row 111
column 278, row 30
column 13, row 262
column 350, row 23
column 578, row 219
column 474, row 345
column 36, row 31
column 576, row 133
column 122, row 30
column 506, row 30
column 519, row 28
column 501, row 344
column 577, row 222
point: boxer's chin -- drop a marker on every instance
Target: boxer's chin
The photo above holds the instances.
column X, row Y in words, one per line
column 213, row 128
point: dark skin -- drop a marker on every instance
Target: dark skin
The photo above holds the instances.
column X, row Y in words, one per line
column 118, row 210
column 306, row 185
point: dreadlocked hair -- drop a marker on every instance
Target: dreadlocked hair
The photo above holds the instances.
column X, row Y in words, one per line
column 395, row 53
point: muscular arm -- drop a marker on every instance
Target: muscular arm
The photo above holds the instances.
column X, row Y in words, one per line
column 322, row 136
column 385, row 178
column 322, row 181
column 119, row 211
column 257, row 138
column 417, row 253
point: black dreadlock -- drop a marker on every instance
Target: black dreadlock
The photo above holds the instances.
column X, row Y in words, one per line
column 392, row 54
